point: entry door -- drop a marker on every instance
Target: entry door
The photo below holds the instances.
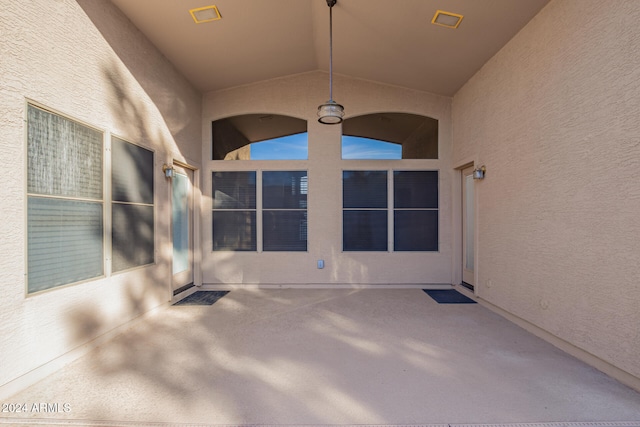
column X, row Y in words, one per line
column 468, row 227
column 182, row 226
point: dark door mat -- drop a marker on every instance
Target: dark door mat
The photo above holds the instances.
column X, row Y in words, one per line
column 448, row 296
column 202, row 298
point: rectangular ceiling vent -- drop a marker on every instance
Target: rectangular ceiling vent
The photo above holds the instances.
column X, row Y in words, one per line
column 205, row 14
column 446, row 19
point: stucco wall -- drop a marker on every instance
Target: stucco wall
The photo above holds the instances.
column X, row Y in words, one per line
column 299, row 96
column 554, row 116
column 86, row 60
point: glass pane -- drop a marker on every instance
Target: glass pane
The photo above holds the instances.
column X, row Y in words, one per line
column 259, row 137
column 468, row 217
column 65, row 242
column 364, row 189
column 358, row 148
column 234, row 190
column 64, row 157
column 284, row 230
column 364, row 230
column 284, row 190
column 390, row 136
column 180, row 218
column 234, row 230
column 132, row 236
column 292, row 147
column 415, row 231
column 415, row 189
column 131, row 172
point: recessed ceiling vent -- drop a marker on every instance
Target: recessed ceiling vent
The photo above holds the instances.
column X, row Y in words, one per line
column 205, row 14
column 446, row 19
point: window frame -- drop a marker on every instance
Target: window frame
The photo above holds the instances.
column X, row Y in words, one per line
column 254, row 210
column 106, row 202
column 287, row 209
column 411, row 141
column 226, row 124
column 391, row 208
column 416, row 209
column 258, row 210
column 113, row 202
column 103, row 202
column 372, row 209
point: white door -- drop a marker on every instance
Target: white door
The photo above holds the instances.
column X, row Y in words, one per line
column 468, row 227
column 182, row 226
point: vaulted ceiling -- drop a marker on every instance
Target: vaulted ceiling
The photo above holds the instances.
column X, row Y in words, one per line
column 392, row 42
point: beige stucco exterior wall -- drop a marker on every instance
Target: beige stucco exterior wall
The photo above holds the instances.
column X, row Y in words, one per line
column 83, row 59
column 554, row 116
column 299, row 96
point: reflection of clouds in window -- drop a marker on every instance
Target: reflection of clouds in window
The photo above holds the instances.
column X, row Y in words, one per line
column 259, row 137
column 292, row 147
column 355, row 147
column 390, row 136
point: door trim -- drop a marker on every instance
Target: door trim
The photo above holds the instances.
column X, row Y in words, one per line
column 457, row 264
column 468, row 238
column 197, row 254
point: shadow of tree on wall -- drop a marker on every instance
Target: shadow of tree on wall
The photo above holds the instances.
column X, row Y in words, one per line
column 174, row 98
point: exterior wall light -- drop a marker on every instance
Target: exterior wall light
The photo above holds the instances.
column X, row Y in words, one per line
column 168, row 171
column 479, row 173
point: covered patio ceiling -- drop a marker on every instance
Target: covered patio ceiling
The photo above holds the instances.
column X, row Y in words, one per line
column 392, row 42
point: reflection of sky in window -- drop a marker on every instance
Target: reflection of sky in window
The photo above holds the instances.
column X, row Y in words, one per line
column 291, row 147
column 358, row 148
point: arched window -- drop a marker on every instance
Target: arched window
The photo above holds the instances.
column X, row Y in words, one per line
column 390, row 136
column 259, row 137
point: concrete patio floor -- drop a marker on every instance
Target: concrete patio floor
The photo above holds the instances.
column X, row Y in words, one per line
column 293, row 356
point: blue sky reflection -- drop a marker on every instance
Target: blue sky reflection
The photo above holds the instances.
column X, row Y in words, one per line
column 295, row 147
column 291, row 147
column 358, row 148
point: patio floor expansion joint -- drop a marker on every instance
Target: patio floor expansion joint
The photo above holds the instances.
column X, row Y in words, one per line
column 71, row 422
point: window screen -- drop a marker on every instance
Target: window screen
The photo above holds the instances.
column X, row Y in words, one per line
column 284, row 214
column 234, row 231
column 64, row 157
column 364, row 230
column 415, row 217
column 132, row 208
column 132, row 234
column 131, row 172
column 364, row 216
column 234, row 190
column 283, row 211
column 65, row 237
column 64, row 242
column 234, row 211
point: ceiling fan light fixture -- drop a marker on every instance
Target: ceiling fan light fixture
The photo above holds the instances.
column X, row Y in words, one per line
column 330, row 113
